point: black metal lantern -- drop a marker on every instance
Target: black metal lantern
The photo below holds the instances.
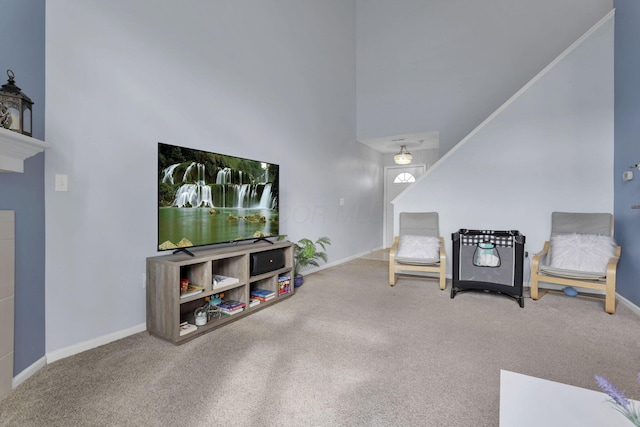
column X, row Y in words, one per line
column 15, row 107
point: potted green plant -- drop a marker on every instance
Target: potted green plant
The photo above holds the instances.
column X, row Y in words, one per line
column 307, row 252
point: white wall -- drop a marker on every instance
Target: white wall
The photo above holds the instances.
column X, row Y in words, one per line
column 445, row 66
column 550, row 149
column 272, row 81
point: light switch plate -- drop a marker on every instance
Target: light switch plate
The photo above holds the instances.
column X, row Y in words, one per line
column 627, row 176
column 61, row 182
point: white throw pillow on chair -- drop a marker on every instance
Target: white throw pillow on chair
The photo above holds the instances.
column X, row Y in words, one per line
column 418, row 248
column 582, row 252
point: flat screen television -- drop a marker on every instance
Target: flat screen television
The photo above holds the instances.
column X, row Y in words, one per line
column 207, row 198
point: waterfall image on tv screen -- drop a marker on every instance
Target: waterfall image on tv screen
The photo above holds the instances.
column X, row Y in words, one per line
column 207, row 198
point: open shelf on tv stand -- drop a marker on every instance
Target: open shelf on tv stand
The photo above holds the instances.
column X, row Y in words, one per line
column 166, row 310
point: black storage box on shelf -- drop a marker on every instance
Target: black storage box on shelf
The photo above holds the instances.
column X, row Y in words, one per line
column 488, row 260
column 266, row 261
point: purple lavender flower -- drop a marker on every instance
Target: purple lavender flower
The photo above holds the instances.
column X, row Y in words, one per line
column 620, row 401
column 613, row 392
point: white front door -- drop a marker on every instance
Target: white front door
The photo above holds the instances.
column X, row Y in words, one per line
column 396, row 180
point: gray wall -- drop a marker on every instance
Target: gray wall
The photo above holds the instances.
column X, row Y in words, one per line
column 627, row 151
column 447, row 65
column 22, row 50
column 549, row 149
column 272, row 81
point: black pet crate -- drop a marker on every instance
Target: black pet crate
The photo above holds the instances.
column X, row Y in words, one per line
column 489, row 261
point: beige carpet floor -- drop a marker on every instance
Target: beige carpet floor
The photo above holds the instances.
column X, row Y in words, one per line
column 346, row 350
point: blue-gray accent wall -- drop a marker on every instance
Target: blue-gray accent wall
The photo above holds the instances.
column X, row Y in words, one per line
column 627, row 146
column 23, row 51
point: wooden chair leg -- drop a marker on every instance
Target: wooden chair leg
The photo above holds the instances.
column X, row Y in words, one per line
column 610, row 304
column 443, row 265
column 535, row 266
column 534, row 287
column 393, row 277
column 610, row 296
column 534, row 282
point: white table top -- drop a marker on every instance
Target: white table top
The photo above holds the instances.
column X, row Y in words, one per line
column 527, row 401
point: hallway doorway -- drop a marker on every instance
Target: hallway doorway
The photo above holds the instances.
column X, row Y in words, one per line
column 396, row 180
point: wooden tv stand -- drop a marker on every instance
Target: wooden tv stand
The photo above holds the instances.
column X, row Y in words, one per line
column 166, row 310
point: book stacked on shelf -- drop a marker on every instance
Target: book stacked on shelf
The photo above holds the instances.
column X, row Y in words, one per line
column 231, row 307
column 262, row 294
column 220, row 281
column 284, row 285
column 186, row 328
column 191, row 290
column 253, row 302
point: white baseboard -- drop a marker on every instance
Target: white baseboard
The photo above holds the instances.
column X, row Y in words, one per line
column 27, row 373
column 93, row 343
column 74, row 349
column 628, row 303
column 340, row 261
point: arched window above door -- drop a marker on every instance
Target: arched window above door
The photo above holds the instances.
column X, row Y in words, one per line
column 404, row 178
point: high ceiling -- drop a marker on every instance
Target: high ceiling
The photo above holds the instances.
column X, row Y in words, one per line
column 443, row 67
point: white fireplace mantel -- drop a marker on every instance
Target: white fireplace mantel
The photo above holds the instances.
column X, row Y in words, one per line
column 15, row 148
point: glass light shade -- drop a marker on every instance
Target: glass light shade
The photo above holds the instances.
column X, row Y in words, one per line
column 403, row 157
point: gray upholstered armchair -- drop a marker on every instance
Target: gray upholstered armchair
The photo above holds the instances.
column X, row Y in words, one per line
column 418, row 248
column 580, row 253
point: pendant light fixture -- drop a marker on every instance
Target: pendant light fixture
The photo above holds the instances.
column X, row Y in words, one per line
column 403, row 157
